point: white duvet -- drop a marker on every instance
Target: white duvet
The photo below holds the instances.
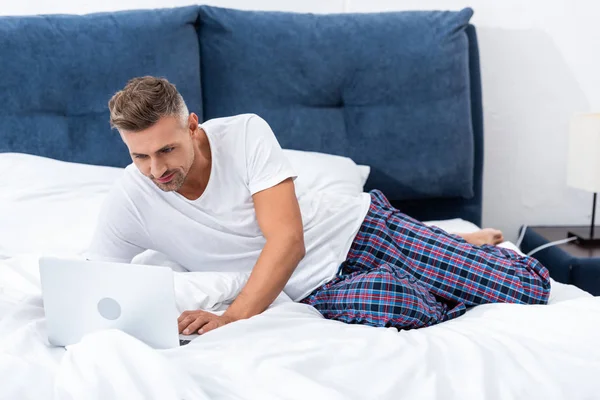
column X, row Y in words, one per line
column 496, row 351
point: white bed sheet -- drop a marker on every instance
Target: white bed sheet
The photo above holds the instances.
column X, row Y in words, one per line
column 496, row 351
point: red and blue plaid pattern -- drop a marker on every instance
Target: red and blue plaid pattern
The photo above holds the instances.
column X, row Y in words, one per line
column 401, row 273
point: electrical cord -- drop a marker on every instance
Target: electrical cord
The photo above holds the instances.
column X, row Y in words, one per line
column 521, row 236
column 555, row 243
column 544, row 246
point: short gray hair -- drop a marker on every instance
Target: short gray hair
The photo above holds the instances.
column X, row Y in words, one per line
column 143, row 102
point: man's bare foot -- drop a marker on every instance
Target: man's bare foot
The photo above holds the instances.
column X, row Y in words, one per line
column 484, row 236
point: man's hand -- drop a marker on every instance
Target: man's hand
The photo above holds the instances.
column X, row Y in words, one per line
column 199, row 321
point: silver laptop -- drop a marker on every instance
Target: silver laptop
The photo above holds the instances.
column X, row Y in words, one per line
column 81, row 297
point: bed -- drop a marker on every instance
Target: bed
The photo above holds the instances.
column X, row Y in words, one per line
column 396, row 95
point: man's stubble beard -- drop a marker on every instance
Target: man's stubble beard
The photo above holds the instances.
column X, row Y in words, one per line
column 177, row 182
column 174, row 185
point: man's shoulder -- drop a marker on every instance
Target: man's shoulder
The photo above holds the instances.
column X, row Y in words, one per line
column 234, row 123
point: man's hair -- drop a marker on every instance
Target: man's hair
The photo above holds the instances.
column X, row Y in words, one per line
column 144, row 101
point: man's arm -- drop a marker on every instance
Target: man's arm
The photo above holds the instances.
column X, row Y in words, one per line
column 280, row 221
column 119, row 235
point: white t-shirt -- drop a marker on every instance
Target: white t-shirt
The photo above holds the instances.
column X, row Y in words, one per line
column 219, row 231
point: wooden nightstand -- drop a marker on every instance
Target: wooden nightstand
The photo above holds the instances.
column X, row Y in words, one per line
column 567, row 263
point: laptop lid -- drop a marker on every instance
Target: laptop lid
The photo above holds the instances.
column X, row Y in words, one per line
column 81, row 297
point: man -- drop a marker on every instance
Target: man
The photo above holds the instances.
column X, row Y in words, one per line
column 220, row 196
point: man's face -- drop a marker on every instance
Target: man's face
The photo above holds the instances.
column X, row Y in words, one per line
column 164, row 152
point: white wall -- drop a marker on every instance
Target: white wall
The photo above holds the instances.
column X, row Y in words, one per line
column 539, row 66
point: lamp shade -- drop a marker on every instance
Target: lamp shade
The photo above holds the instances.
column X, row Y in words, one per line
column 583, row 171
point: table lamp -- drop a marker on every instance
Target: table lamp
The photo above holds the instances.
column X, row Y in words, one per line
column 583, row 171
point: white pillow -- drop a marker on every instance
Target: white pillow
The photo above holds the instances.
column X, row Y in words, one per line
column 49, row 206
column 326, row 173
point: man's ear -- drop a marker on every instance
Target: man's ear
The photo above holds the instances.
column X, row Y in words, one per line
column 192, row 123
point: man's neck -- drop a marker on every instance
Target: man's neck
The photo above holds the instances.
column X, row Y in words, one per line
column 199, row 174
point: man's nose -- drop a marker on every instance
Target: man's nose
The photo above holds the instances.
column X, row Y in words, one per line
column 157, row 169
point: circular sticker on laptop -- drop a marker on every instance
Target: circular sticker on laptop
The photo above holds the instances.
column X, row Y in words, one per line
column 109, row 308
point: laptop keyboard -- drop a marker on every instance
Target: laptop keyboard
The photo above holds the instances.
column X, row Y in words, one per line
column 185, row 339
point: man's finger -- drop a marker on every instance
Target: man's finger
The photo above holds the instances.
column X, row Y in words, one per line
column 183, row 315
column 208, row 327
column 197, row 324
column 185, row 322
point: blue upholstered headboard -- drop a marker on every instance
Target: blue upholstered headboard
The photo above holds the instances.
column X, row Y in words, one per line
column 397, row 91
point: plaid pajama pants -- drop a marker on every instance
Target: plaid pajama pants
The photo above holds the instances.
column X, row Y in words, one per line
column 400, row 273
